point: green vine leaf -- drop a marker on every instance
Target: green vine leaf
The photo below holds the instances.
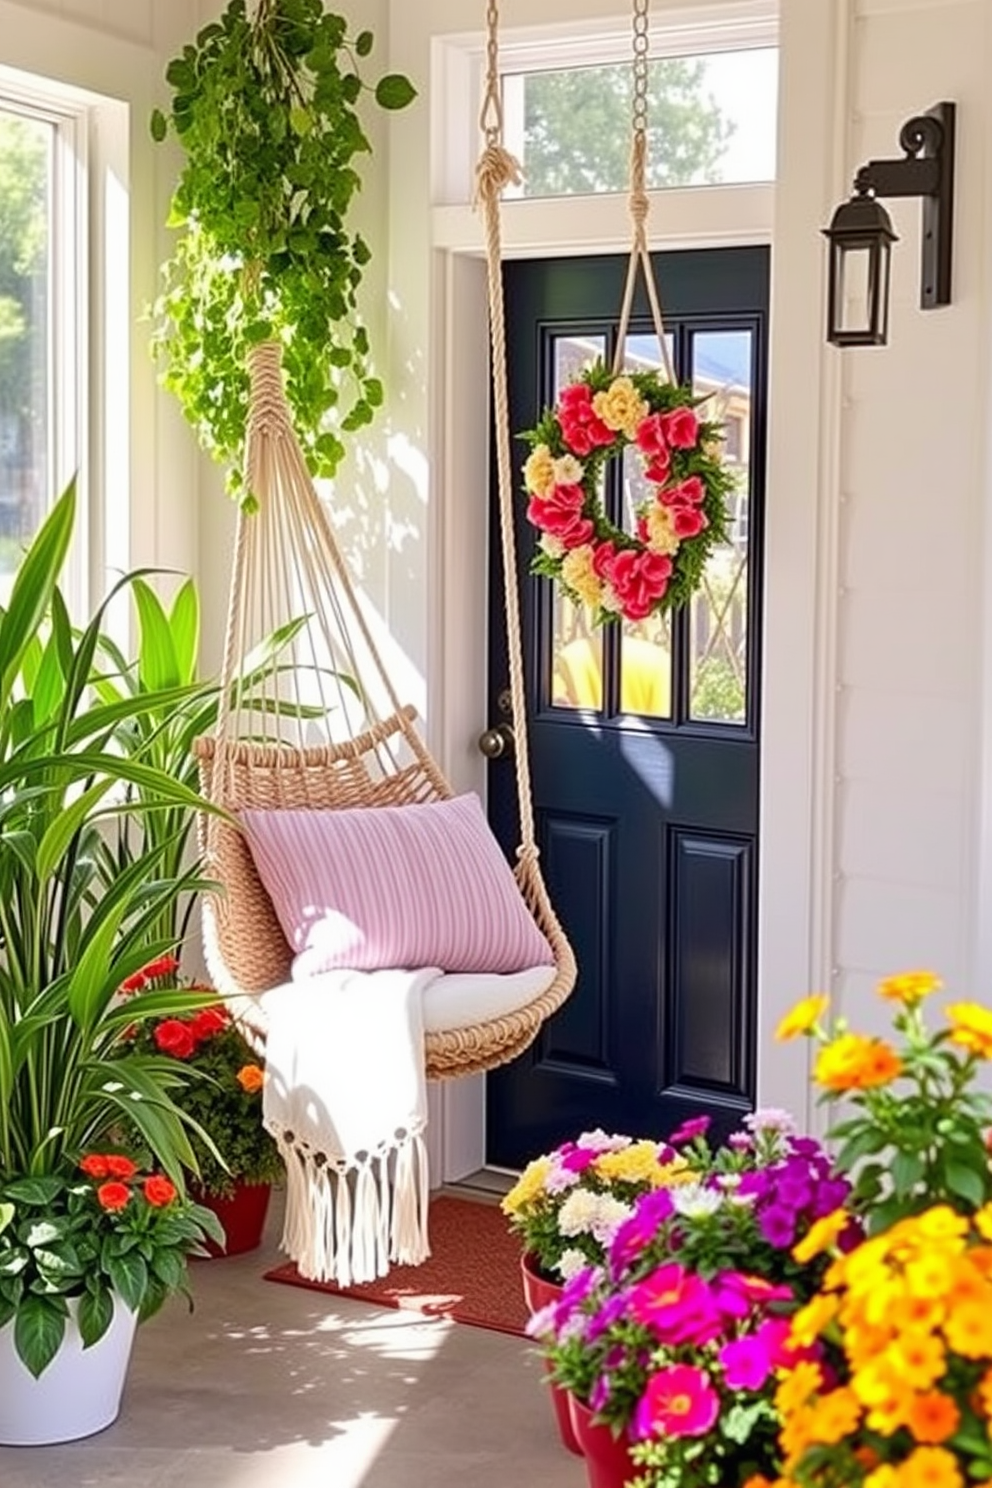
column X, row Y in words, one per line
column 266, row 112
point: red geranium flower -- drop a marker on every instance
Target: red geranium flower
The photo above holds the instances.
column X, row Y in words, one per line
column 113, row 1197
column 175, row 1038
column 162, row 966
column 95, row 1166
column 133, row 983
column 159, row 1190
column 207, row 1022
column 119, row 1166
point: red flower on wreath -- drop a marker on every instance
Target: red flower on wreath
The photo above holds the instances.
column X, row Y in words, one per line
column 175, row 1038
column 581, row 426
column 560, row 514
column 639, row 580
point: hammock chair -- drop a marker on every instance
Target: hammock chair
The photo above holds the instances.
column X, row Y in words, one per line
column 315, row 721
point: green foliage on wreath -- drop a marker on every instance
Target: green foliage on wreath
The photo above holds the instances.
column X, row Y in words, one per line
column 264, row 108
column 703, row 461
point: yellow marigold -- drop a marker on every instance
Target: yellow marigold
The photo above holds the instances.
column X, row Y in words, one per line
column 637, row 1163
column 968, row 1330
column 930, row 1275
column 820, row 1236
column 796, row 1434
column 578, row 573
column 968, row 1285
column 971, row 1027
column 879, row 1308
column 797, row 1385
column 918, row 1360
column 835, row 1416
column 982, row 1220
column 941, row 1223
column 660, row 526
column 528, row 1187
column 922, row 1313
column 621, row 406
column 250, row 1078
column 803, row 1018
column 984, row 1392
column 883, row 1476
column 909, row 987
column 876, row 1381
column 539, row 470
column 856, row 1062
column 931, row 1467
column 809, row 1322
column 863, row 1344
column 888, row 1414
column 933, row 1417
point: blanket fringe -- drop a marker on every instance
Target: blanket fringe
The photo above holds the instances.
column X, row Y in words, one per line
column 347, row 1223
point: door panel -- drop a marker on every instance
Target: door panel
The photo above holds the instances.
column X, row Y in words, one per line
column 644, row 739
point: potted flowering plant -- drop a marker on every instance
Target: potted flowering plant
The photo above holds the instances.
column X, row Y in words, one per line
column 889, row 1379
column 670, row 1348
column 72, row 928
column 237, row 1170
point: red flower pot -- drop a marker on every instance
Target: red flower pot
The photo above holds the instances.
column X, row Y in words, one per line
column 242, row 1215
column 608, row 1463
column 537, row 1294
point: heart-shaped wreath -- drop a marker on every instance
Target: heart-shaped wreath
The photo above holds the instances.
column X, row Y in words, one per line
column 617, row 573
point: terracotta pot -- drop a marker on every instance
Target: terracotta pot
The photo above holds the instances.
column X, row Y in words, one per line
column 537, row 1294
column 608, row 1463
column 242, row 1215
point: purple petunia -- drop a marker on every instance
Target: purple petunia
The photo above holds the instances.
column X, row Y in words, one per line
column 778, row 1225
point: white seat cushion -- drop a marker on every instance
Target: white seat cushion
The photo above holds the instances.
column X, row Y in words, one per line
column 458, row 999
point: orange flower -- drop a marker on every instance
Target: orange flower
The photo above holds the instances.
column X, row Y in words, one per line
column 918, row 1360
column 250, row 1078
column 971, row 1027
column 968, row 1330
column 803, row 1018
column 113, row 1197
column 909, row 987
column 931, row 1467
column 985, row 1393
column 95, row 1166
column 159, row 1190
column 835, row 1416
column 120, row 1167
column 798, row 1384
column 932, row 1418
column 855, row 1062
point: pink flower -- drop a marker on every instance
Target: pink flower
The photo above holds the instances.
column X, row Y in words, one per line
column 688, row 521
column 560, row 513
column 582, row 428
column 681, row 428
column 679, row 1401
column 676, row 1305
column 688, row 492
column 650, row 437
column 578, row 1159
column 659, row 467
column 746, row 1362
column 640, row 580
column 696, row 1126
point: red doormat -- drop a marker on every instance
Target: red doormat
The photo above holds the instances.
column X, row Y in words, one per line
column 472, row 1276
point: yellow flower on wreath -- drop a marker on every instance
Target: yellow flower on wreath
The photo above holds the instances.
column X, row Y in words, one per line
column 579, row 575
column 621, row 406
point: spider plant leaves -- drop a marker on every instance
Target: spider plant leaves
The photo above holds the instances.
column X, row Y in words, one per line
column 34, row 585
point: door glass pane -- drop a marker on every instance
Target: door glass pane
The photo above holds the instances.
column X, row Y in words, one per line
column 711, row 120
column 577, row 646
column 718, row 652
column 26, row 148
column 645, row 645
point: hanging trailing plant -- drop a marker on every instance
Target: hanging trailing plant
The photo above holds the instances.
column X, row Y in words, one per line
column 265, row 109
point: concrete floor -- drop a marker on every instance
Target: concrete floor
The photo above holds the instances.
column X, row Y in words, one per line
column 269, row 1386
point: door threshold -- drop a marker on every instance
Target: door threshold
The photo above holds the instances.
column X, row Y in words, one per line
column 486, row 1185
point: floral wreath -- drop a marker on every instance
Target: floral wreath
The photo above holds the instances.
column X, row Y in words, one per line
column 617, row 573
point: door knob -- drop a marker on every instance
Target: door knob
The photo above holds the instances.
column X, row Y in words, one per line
column 497, row 743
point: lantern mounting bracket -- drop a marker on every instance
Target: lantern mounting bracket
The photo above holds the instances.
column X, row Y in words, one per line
column 927, row 171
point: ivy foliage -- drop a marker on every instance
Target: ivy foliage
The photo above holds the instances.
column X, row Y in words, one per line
column 264, row 106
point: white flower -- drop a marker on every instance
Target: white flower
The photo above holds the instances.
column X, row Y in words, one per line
column 553, row 546
column 559, row 1179
column 578, row 1213
column 741, row 1201
column 728, row 1181
column 571, row 1263
column 611, row 1216
column 771, row 1119
column 598, row 1141
column 541, row 1324
column 568, row 471
column 696, row 1202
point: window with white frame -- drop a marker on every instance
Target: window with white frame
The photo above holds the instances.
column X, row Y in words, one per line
column 43, row 313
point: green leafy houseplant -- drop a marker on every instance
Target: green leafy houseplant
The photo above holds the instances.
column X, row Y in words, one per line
column 264, row 107
column 227, row 1101
column 70, row 933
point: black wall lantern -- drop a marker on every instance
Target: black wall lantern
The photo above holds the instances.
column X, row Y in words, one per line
column 861, row 233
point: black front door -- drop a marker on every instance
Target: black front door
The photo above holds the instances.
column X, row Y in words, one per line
column 644, row 740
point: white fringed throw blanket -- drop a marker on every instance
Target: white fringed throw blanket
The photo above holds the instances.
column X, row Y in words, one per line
column 346, row 1100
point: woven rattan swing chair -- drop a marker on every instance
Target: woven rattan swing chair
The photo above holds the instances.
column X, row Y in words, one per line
column 264, row 756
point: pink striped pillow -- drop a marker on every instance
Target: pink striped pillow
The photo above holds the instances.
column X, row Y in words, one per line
column 394, row 886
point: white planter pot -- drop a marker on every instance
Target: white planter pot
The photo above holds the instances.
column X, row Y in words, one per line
column 77, row 1395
